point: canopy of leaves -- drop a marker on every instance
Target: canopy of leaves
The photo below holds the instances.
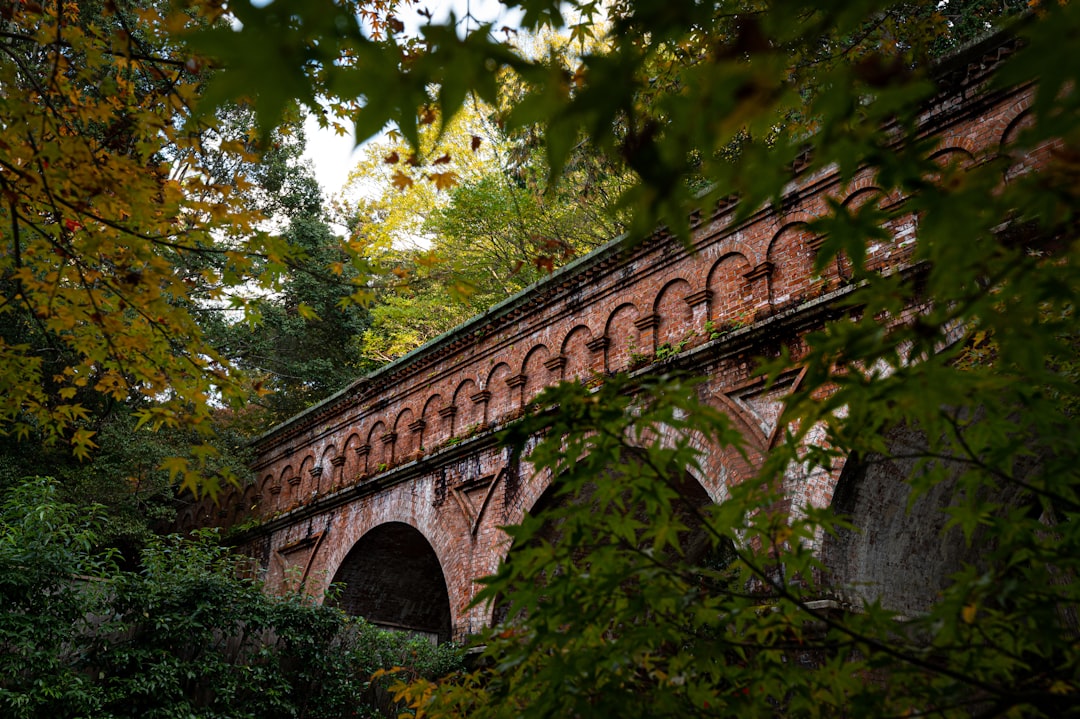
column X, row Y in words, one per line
column 129, row 214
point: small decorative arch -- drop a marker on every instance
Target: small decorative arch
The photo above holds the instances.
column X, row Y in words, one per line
column 791, row 262
column 499, row 400
column 624, row 338
column 247, row 504
column 1021, row 156
column 731, row 298
column 675, row 316
column 354, row 463
column 267, row 496
column 952, row 156
column 379, row 456
column 325, row 474
column 536, row 374
column 282, row 490
column 407, row 440
column 437, row 427
column 186, row 521
column 1014, row 128
column 469, row 408
column 578, row 357
column 303, row 482
column 862, row 196
column 878, row 248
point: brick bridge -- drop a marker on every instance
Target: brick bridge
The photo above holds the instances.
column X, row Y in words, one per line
column 396, row 486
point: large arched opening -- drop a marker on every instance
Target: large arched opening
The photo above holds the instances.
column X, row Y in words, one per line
column 902, row 549
column 699, row 548
column 392, row 577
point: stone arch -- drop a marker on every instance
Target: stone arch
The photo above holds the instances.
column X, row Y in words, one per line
column 354, row 463
column 437, row 425
column 791, row 259
column 393, row 578
column 499, row 399
column 325, row 472
column 624, row 338
column 1023, row 160
column 469, row 413
column 723, row 467
column 901, row 551
column 695, row 541
column 378, row 458
column 406, row 441
column 284, row 487
column 675, row 316
column 731, row 298
column 579, row 357
column 537, row 375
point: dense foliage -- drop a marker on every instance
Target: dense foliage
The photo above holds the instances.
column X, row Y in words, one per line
column 479, row 223
column 187, row 635
column 130, row 213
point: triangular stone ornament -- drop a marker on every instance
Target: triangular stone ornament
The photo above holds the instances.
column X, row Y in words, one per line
column 472, row 498
column 295, row 557
column 763, row 406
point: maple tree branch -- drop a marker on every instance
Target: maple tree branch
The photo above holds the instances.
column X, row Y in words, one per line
column 783, row 592
column 155, row 59
column 43, row 96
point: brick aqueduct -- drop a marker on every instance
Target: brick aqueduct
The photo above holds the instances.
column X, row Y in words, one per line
column 396, row 486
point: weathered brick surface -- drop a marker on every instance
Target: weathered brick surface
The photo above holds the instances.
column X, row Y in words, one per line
column 411, row 444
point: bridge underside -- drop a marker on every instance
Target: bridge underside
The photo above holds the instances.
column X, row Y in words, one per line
column 392, row 578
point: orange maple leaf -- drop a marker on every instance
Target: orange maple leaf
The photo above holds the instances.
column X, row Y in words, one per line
column 401, row 181
column 443, row 180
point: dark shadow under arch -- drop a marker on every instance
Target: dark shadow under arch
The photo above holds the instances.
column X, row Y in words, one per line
column 698, row 549
column 900, row 551
column 392, row 578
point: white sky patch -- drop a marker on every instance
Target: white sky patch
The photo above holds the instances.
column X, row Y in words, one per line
column 333, row 155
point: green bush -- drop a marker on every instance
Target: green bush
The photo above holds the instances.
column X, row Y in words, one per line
column 187, row 636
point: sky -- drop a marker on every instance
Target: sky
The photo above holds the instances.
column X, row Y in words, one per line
column 334, row 155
